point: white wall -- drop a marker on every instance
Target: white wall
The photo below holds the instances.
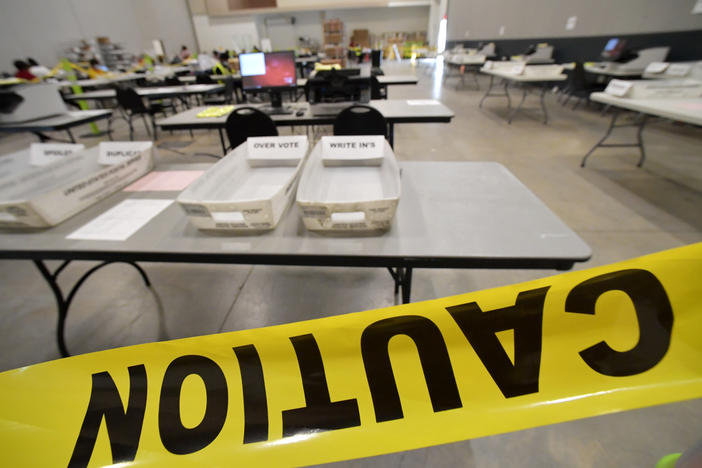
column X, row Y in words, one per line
column 225, row 32
column 547, row 18
column 217, row 32
column 44, row 29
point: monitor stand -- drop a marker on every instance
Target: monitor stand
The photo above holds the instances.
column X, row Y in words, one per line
column 276, row 107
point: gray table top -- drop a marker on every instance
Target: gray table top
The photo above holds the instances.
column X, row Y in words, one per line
column 57, row 122
column 156, row 91
column 394, row 110
column 683, row 109
column 450, row 215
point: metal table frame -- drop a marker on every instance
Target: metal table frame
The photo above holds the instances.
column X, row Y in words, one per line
column 639, row 122
column 526, row 87
column 400, row 263
column 38, row 128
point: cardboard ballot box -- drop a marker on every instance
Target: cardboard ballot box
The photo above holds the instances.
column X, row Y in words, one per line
column 47, row 183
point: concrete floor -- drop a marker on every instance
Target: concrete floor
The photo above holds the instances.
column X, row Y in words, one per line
column 621, row 211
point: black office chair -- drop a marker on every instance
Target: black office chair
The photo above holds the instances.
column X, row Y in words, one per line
column 204, row 78
column 360, row 120
column 378, row 91
column 226, row 97
column 579, row 87
column 132, row 105
column 246, row 122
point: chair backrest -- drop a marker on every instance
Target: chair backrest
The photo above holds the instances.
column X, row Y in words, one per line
column 377, row 91
column 360, row 120
column 172, row 81
column 203, row 78
column 130, row 101
column 246, row 122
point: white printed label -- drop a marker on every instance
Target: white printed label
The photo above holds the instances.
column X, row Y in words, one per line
column 656, row 67
column 423, row 102
column 115, row 152
column 41, row 154
column 277, row 148
column 618, row 88
column 678, row 69
column 353, row 147
column 518, row 69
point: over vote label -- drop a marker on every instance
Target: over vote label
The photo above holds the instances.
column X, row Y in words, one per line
column 41, row 154
column 293, row 147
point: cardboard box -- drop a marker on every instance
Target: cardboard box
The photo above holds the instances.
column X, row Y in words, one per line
column 349, row 198
column 43, row 196
column 241, row 194
column 361, row 37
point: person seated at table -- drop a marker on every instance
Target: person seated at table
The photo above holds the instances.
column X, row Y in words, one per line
column 184, row 53
column 37, row 70
column 23, row 70
column 96, row 70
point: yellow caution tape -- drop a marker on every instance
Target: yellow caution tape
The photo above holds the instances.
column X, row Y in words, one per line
column 570, row 346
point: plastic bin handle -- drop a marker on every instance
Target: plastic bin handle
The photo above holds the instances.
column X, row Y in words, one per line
column 349, row 217
column 228, row 216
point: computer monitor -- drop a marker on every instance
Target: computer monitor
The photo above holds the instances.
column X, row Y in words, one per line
column 270, row 72
column 614, row 49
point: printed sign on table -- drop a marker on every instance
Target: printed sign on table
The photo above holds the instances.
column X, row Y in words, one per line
column 41, row 154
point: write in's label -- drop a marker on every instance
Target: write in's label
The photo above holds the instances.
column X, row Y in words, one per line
column 352, row 150
column 678, row 69
column 115, row 152
column 656, row 67
column 41, row 154
column 619, row 88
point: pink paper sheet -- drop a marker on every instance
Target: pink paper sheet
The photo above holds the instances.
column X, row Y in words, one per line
column 164, row 181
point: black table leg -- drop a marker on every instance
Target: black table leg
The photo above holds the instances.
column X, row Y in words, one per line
column 70, row 135
column 521, row 102
column 403, row 281
column 640, row 124
column 543, row 103
column 64, row 302
column 221, row 140
column 391, row 135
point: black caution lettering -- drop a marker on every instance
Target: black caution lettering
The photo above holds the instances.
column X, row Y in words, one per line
column 175, row 437
column 254, row 388
column 653, row 311
column 525, row 318
column 433, row 357
column 123, row 426
column 320, row 413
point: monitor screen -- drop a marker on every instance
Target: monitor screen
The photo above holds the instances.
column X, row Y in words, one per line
column 268, row 70
column 611, row 44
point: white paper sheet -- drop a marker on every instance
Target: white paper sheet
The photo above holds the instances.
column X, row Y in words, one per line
column 423, row 102
column 120, row 221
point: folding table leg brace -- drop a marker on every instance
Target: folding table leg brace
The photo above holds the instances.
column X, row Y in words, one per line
column 64, row 302
column 640, row 123
column 505, row 84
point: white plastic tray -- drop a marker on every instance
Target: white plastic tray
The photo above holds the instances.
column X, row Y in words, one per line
column 234, row 196
column 349, row 198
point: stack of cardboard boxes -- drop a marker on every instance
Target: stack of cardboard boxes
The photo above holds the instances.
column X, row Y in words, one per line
column 334, row 42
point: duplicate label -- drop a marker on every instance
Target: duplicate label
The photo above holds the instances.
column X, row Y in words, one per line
column 115, row 152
